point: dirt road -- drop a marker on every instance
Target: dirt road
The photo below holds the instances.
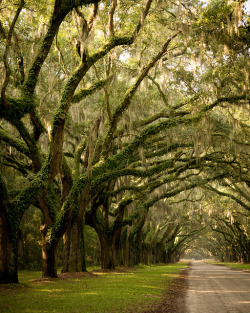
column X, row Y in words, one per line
column 217, row 289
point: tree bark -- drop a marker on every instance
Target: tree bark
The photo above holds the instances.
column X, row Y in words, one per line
column 106, row 254
column 74, row 246
column 49, row 251
column 8, row 251
column 73, row 254
column 5, row 251
column 116, row 247
column 14, row 257
column 126, row 250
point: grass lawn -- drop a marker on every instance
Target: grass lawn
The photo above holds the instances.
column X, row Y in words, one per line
column 102, row 291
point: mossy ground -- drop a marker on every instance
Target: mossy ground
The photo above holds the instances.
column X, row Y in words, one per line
column 97, row 291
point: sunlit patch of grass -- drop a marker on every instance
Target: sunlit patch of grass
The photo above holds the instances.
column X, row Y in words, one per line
column 113, row 273
column 103, row 293
column 170, row 275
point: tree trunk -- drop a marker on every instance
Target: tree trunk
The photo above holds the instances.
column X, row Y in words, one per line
column 127, row 251
column 116, row 246
column 160, row 252
column 5, row 251
column 8, row 252
column 149, row 255
column 74, row 246
column 105, row 241
column 14, row 257
column 74, row 251
column 49, row 250
column 106, row 253
column 137, row 248
column 9, row 236
column 83, row 249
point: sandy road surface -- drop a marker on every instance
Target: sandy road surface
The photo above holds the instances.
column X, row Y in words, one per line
column 217, row 289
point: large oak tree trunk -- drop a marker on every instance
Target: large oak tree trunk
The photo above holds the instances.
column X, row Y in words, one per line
column 14, row 257
column 74, row 245
column 126, row 251
column 74, row 250
column 116, row 245
column 137, row 247
column 106, row 253
column 5, row 251
column 8, row 252
column 49, row 251
column 116, row 252
column 8, row 240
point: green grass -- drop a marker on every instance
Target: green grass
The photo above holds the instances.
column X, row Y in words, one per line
column 106, row 292
column 232, row 265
